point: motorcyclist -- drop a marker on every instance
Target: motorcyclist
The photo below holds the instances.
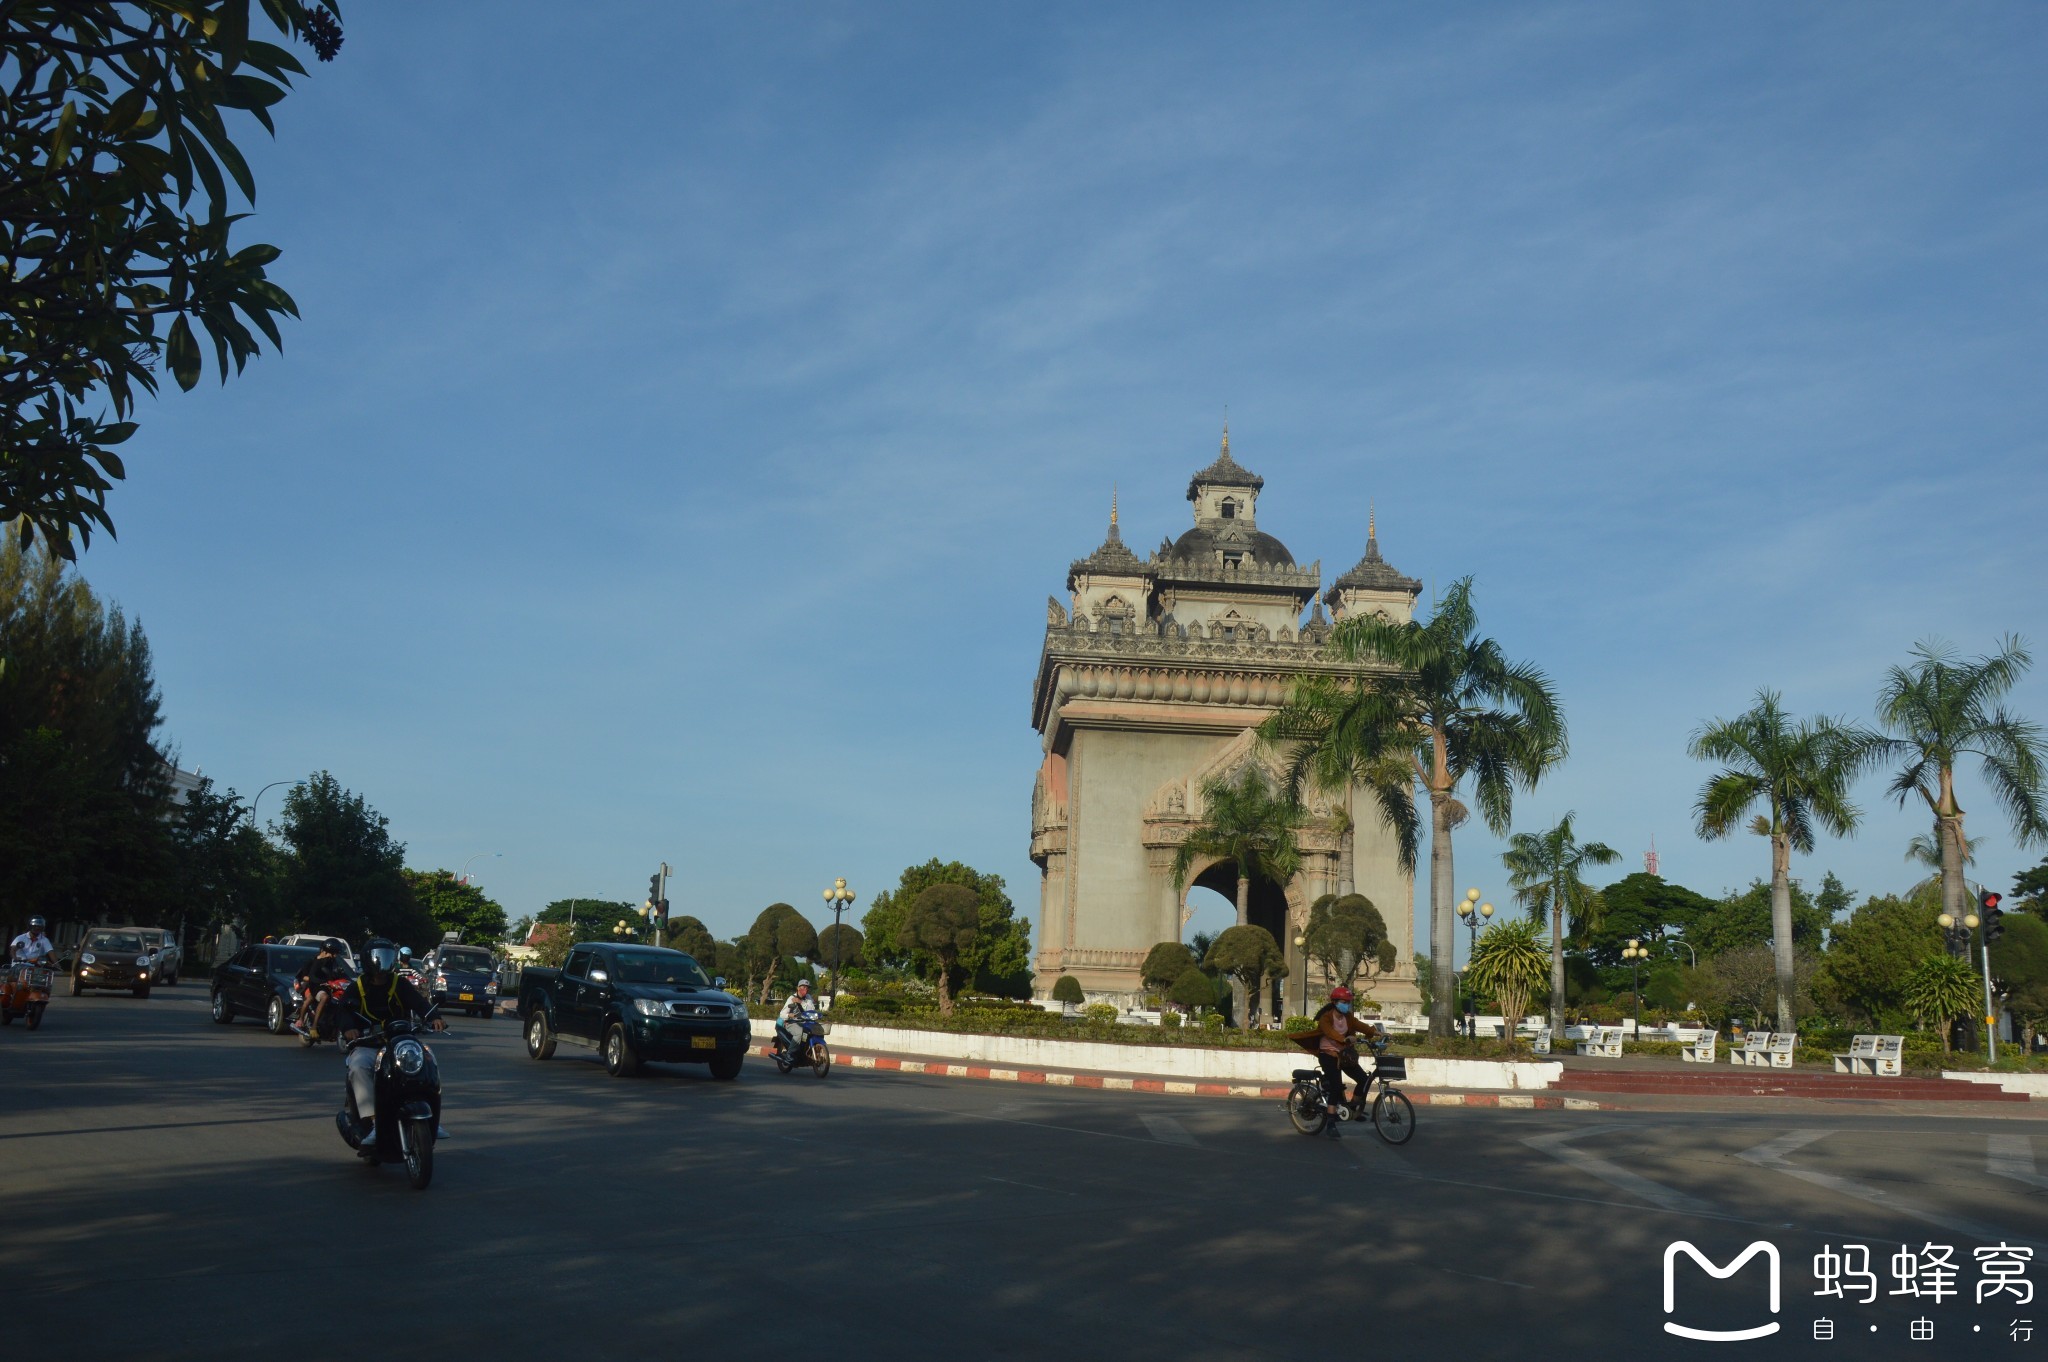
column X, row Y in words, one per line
column 328, row 964
column 32, row 945
column 795, row 1009
column 1336, row 1029
column 379, row 994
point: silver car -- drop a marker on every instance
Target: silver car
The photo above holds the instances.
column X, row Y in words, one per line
column 165, row 957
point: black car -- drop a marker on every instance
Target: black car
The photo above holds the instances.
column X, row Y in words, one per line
column 257, row 982
column 464, row 977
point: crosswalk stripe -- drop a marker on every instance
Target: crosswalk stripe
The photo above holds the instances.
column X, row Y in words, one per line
column 1558, row 1146
column 2012, row 1156
column 1772, row 1154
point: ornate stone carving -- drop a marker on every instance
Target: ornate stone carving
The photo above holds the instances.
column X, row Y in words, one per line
column 1055, row 613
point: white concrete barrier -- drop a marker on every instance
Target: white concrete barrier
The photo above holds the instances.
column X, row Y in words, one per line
column 2034, row 1085
column 1167, row 1061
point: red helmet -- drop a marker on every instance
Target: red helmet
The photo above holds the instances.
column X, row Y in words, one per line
column 1340, row 994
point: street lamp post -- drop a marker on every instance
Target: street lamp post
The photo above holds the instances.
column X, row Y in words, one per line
column 259, row 799
column 463, row 876
column 1301, row 952
column 1635, row 954
column 839, row 898
column 1958, row 939
column 623, row 929
column 1473, row 912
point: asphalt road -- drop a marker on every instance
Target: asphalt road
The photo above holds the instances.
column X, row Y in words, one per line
column 176, row 1189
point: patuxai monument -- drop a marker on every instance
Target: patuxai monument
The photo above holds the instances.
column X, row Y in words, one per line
column 1155, row 675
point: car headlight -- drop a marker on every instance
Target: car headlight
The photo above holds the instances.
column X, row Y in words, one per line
column 87, row 959
column 651, row 1007
column 409, row 1055
column 142, row 961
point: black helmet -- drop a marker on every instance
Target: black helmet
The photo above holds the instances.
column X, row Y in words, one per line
column 334, row 945
column 380, row 956
column 36, row 924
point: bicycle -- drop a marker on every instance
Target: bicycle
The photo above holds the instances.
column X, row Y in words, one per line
column 1393, row 1115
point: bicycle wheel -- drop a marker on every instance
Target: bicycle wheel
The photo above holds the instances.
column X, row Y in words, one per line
column 1306, row 1109
column 1393, row 1116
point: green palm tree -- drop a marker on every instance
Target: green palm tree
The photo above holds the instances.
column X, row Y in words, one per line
column 1800, row 771
column 1543, row 870
column 1924, row 850
column 1428, row 704
column 1942, row 709
column 1250, row 824
column 1508, row 962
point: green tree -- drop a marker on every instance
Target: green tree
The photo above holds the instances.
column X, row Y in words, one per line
column 1194, row 990
column 226, row 873
column 1249, row 957
column 1941, row 710
column 1834, row 897
column 343, row 872
column 1800, row 773
column 1509, row 961
column 457, row 906
column 1870, row 955
column 1745, row 983
column 1249, row 824
column 588, row 919
column 84, row 783
column 1164, row 964
column 1544, row 872
column 779, row 936
column 1346, row 935
column 1941, row 988
column 2030, row 887
column 1000, row 960
column 116, row 114
column 1743, row 918
column 2019, row 966
column 839, row 947
column 1066, row 990
column 693, row 939
column 1429, row 704
column 943, row 926
column 1646, row 907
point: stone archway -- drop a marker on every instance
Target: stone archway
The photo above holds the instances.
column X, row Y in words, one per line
column 1267, row 905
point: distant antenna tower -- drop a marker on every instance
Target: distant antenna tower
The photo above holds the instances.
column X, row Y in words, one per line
column 1650, row 856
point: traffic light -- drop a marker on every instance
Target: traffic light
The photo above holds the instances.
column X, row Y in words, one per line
column 1991, row 915
column 654, row 888
column 661, row 908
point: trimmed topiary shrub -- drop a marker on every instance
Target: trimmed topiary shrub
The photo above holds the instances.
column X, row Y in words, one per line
column 1170, row 1020
column 1067, row 989
column 1100, row 1014
column 1213, row 1022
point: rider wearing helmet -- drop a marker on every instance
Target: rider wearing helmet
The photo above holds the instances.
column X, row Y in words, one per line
column 330, row 963
column 380, row 994
column 32, row 945
column 789, row 1026
column 1336, row 1028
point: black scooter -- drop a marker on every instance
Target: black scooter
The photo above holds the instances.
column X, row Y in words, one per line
column 813, row 1052
column 408, row 1115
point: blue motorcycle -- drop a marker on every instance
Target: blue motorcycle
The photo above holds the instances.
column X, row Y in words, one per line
column 812, row 1050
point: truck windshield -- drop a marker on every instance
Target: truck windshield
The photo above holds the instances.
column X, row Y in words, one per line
column 659, row 967
column 469, row 960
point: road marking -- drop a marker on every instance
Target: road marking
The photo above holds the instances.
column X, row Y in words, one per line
column 1012, row 1182
column 1497, row 1281
column 1558, row 1146
column 1771, row 1154
column 1166, row 1130
column 2012, row 1156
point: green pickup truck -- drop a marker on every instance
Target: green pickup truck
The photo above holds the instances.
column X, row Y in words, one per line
column 633, row 1005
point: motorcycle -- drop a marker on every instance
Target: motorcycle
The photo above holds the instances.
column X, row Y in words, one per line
column 1392, row 1114
column 407, row 1121
column 813, row 1051
column 25, row 992
column 324, row 1027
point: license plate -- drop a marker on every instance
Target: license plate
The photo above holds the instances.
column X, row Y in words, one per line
column 703, row 1042
column 469, row 997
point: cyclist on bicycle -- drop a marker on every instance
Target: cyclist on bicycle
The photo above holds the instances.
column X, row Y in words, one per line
column 1336, row 1029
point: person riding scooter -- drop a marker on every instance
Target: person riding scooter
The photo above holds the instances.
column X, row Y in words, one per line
column 379, row 994
column 328, row 965
column 789, row 1026
column 33, row 945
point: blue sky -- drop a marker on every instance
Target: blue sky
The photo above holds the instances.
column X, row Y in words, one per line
column 692, row 411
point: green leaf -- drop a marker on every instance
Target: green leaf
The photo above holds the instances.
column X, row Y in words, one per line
column 182, row 353
column 231, row 36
